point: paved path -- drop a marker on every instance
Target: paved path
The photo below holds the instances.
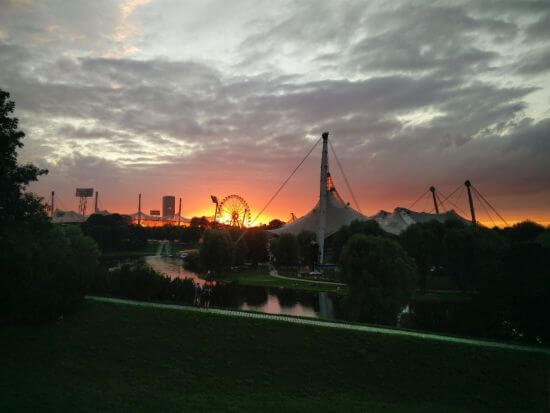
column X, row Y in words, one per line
column 329, row 324
column 273, row 272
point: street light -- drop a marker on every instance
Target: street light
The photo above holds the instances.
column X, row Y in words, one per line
column 215, row 201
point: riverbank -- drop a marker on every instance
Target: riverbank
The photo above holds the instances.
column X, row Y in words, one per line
column 113, row 357
column 260, row 277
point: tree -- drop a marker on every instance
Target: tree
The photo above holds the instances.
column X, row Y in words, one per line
column 471, row 254
column 115, row 232
column 381, row 277
column 275, row 223
column 201, row 222
column 45, row 269
column 423, row 242
column 513, row 303
column 14, row 203
column 256, row 242
column 286, row 249
column 336, row 241
column 216, row 251
column 305, row 238
column 526, row 231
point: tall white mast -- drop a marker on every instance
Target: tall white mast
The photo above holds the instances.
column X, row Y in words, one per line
column 323, row 199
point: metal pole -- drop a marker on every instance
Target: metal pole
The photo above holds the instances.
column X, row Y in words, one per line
column 96, row 196
column 179, row 214
column 435, row 200
column 52, row 205
column 139, row 209
column 472, row 210
column 214, row 201
column 323, row 199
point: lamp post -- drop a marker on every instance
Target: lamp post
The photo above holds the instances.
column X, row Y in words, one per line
column 215, row 201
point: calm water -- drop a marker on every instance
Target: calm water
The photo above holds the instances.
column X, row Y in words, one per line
column 252, row 298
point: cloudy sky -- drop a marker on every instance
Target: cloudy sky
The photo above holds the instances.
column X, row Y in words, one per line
column 193, row 98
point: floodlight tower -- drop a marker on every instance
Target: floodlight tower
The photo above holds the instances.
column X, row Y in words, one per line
column 83, row 194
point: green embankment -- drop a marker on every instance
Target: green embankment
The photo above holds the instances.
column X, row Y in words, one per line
column 261, row 277
column 112, row 357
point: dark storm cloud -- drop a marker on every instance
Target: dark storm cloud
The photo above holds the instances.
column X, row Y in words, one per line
column 536, row 62
column 427, row 39
column 411, row 92
column 224, row 124
column 540, row 30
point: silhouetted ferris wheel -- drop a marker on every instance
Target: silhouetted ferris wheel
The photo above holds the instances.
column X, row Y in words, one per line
column 234, row 211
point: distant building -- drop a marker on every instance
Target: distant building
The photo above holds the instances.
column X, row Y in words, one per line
column 168, row 205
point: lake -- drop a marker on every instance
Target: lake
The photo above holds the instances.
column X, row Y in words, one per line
column 252, row 298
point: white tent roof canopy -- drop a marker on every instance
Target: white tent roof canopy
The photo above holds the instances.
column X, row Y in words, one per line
column 340, row 214
column 331, row 212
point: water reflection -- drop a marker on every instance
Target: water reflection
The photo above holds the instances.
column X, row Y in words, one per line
column 252, row 298
column 172, row 267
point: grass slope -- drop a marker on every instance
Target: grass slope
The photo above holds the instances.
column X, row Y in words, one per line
column 119, row 358
column 261, row 277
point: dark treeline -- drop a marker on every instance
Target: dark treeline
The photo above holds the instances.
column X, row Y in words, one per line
column 45, row 269
column 503, row 273
column 221, row 249
column 116, row 232
column 140, row 282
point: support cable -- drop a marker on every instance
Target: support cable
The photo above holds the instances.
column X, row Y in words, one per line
column 484, row 208
column 419, row 198
column 345, row 178
column 452, row 193
column 490, row 206
column 60, row 202
column 453, row 204
column 426, row 203
column 440, row 201
column 281, row 187
column 460, row 196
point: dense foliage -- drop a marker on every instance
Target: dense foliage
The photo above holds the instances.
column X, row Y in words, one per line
column 286, row 249
column 305, row 239
column 256, row 242
column 141, row 282
column 506, row 273
column 381, row 277
column 216, row 251
column 114, row 232
column 45, row 269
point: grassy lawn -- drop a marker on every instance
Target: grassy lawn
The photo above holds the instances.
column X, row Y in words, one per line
column 119, row 358
column 261, row 277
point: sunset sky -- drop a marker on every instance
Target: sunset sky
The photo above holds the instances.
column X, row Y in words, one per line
column 193, row 98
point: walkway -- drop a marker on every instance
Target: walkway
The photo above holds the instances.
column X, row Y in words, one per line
column 329, row 324
column 273, row 272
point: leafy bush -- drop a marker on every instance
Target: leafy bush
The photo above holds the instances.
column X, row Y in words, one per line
column 381, row 277
column 286, row 249
column 45, row 269
column 141, row 282
column 216, row 251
